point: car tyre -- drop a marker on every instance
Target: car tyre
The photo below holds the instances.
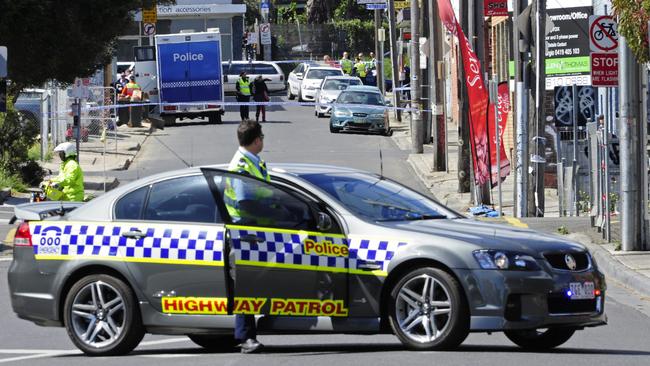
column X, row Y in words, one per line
column 102, row 317
column 215, row 342
column 169, row 120
column 289, row 95
column 214, row 118
column 320, row 115
column 428, row 311
column 534, row 339
column 334, row 129
column 300, row 100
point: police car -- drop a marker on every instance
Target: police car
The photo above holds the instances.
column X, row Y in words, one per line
column 330, row 250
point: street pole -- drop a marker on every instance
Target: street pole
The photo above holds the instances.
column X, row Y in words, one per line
column 417, row 127
column 392, row 32
column 267, row 47
column 574, row 164
column 629, row 101
column 465, row 175
column 540, row 88
column 379, row 53
column 437, row 90
column 76, row 122
column 494, row 96
column 521, row 116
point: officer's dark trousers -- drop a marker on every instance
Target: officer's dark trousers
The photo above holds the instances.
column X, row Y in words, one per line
column 245, row 327
column 243, row 109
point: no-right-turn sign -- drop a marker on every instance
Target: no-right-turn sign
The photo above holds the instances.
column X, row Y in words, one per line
column 603, row 34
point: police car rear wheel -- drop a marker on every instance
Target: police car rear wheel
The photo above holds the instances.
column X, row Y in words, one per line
column 214, row 342
column 428, row 311
column 101, row 316
column 538, row 339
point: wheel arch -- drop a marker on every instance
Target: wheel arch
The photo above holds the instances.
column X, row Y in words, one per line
column 401, row 269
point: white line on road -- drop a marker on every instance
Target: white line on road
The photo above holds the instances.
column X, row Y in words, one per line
column 40, row 355
column 5, row 259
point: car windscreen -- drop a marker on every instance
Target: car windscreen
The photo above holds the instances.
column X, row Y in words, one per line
column 322, row 74
column 340, row 84
column 359, row 97
column 264, row 69
column 377, row 199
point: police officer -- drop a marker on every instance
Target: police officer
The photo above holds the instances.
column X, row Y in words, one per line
column 246, row 161
column 243, row 87
column 70, row 181
column 346, row 64
column 361, row 69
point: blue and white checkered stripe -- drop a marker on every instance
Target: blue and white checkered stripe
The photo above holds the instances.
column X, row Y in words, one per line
column 284, row 248
column 162, row 242
column 287, row 248
column 187, row 84
column 380, row 251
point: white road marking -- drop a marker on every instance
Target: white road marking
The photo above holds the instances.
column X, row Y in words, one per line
column 40, row 355
column 6, row 259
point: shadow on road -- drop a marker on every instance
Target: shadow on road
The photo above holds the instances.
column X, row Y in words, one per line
column 565, row 351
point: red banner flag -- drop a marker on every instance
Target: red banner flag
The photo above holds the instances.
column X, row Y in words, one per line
column 503, row 105
column 476, row 93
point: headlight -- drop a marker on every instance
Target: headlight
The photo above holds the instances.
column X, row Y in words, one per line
column 504, row 260
column 342, row 113
column 310, row 87
column 377, row 115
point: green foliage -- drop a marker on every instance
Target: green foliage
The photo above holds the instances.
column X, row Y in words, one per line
column 359, row 34
column 563, row 230
column 34, row 152
column 289, row 14
column 633, row 16
column 17, row 135
column 12, row 181
column 51, row 39
column 349, row 9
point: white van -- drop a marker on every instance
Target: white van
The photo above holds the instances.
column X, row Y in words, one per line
column 268, row 70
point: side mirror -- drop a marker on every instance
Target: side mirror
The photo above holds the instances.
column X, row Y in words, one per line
column 324, row 221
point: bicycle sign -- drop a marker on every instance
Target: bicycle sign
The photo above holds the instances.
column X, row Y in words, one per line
column 603, row 34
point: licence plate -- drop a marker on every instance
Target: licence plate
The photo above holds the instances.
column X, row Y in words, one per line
column 581, row 290
column 360, row 120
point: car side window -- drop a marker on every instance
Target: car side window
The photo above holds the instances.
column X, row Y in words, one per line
column 252, row 202
column 186, row 199
column 129, row 207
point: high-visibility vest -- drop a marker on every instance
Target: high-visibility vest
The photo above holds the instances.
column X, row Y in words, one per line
column 71, row 180
column 242, row 164
column 244, row 86
column 130, row 87
column 361, row 69
column 346, row 65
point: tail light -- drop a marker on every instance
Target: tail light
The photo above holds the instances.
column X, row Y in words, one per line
column 23, row 237
column 170, row 108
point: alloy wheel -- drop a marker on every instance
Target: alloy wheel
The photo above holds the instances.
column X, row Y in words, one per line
column 98, row 314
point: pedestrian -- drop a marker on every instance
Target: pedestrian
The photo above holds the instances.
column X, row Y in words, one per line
column 69, row 184
column 346, row 64
column 246, row 161
column 132, row 90
column 260, row 95
column 120, row 83
column 360, row 70
column 243, row 87
column 372, row 69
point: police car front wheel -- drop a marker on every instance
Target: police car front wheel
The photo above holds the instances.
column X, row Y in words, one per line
column 428, row 311
column 101, row 316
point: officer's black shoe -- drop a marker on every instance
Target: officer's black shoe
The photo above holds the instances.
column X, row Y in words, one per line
column 251, row 346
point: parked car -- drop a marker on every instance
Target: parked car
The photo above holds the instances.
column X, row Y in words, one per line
column 268, row 70
column 296, row 76
column 313, row 79
column 329, row 250
column 330, row 89
column 360, row 108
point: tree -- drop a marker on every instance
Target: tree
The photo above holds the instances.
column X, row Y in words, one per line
column 60, row 40
column 319, row 11
column 633, row 17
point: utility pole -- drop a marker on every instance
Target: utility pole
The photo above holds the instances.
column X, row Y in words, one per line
column 465, row 181
column 392, row 32
column 379, row 53
column 521, row 115
column 265, row 20
column 417, row 127
column 632, row 237
column 436, row 87
column 540, row 88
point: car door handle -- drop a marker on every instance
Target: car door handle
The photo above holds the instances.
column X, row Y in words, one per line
column 135, row 234
column 250, row 238
column 369, row 266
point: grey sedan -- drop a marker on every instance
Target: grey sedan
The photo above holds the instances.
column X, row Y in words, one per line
column 320, row 249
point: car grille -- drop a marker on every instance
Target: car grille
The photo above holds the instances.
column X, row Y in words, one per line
column 557, row 261
column 560, row 304
column 360, row 114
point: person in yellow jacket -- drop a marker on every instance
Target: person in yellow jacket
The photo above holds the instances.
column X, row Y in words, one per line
column 241, row 204
column 361, row 69
column 243, row 87
column 346, row 64
column 69, row 184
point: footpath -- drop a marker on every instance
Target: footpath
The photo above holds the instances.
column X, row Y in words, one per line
column 631, row 269
column 99, row 160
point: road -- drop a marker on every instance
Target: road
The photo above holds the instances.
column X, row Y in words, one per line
column 295, row 135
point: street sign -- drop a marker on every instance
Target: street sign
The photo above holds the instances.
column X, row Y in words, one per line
column 3, row 62
column 150, row 15
column 603, row 33
column 376, row 6
column 364, row 2
column 149, row 29
column 495, row 8
column 399, row 5
column 604, row 69
column 265, row 33
column 252, row 38
column 264, row 6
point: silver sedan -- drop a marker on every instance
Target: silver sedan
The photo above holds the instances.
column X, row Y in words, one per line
column 320, row 249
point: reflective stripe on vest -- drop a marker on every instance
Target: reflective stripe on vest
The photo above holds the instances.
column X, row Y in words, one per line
column 244, row 86
column 242, row 164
